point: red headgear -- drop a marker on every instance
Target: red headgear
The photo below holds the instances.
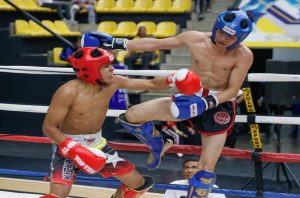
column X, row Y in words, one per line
column 88, row 61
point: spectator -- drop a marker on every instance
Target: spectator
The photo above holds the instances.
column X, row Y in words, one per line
column 171, row 130
column 81, row 6
column 146, row 57
column 261, row 105
column 200, row 5
column 62, row 7
column 295, row 112
column 188, row 127
column 189, row 169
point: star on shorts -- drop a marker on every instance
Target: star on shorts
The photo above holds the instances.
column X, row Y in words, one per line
column 114, row 159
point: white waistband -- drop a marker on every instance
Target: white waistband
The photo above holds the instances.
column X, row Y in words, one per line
column 207, row 91
column 88, row 139
column 215, row 92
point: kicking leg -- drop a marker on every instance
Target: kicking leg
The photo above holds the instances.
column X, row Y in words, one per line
column 138, row 120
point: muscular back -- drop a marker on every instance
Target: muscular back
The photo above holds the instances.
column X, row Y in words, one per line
column 88, row 109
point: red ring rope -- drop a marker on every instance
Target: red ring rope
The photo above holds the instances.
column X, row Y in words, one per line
column 185, row 149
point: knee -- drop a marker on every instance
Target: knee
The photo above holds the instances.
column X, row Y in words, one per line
column 131, row 115
column 74, row 8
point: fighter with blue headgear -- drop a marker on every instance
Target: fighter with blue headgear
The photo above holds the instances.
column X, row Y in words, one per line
column 233, row 22
column 236, row 23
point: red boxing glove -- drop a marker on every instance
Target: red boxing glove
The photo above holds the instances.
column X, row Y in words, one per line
column 89, row 160
column 186, row 81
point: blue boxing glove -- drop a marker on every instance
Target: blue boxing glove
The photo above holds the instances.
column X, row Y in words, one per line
column 185, row 107
column 66, row 52
column 106, row 41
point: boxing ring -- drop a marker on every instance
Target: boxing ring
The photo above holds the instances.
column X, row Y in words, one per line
column 257, row 156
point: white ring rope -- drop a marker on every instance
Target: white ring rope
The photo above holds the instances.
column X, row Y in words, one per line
column 115, row 113
column 252, row 77
column 43, row 109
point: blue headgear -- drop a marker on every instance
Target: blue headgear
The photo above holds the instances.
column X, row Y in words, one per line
column 235, row 23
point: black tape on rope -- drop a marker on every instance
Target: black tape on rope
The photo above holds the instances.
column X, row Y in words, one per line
column 251, row 119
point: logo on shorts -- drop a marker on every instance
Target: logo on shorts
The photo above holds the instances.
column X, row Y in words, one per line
column 68, row 170
column 222, row 117
column 193, row 110
column 89, row 140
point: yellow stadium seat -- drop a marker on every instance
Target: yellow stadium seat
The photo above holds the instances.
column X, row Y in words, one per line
column 105, row 5
column 121, row 55
column 150, row 26
column 50, row 25
column 141, row 6
column 165, row 29
column 5, row 6
column 125, row 29
column 56, row 56
column 108, row 27
column 180, row 6
column 37, row 30
column 32, row 5
column 22, row 28
column 122, row 6
column 64, row 30
column 28, row 5
column 160, row 6
column 21, row 4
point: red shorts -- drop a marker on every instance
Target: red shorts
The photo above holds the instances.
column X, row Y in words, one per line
column 64, row 171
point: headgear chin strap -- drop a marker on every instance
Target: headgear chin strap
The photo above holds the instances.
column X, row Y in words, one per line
column 88, row 61
column 235, row 23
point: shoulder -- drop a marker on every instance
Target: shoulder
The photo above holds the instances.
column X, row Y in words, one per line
column 243, row 50
column 243, row 54
column 69, row 89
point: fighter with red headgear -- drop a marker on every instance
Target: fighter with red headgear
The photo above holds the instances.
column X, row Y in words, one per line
column 221, row 60
column 74, row 123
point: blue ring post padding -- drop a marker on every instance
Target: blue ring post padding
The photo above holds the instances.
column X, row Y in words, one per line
column 115, row 183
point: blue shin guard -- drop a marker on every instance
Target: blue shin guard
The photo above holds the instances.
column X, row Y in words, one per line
column 201, row 184
column 148, row 135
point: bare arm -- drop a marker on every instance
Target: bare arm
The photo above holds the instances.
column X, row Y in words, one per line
column 141, row 84
column 57, row 112
column 152, row 44
column 237, row 76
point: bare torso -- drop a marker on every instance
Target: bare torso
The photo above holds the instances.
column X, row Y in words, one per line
column 88, row 110
column 213, row 66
